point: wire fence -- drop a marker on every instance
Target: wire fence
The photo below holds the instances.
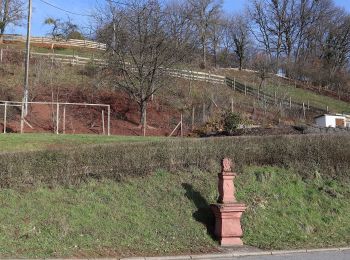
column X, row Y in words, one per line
column 199, row 114
column 58, row 119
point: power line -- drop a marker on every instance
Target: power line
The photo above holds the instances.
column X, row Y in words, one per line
column 59, row 8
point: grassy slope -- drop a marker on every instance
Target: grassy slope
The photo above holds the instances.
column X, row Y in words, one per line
column 284, row 90
column 23, row 142
column 302, row 95
column 82, row 52
column 168, row 214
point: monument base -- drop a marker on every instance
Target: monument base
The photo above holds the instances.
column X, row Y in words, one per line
column 228, row 223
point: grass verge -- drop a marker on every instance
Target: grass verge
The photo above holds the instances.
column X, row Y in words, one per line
column 30, row 142
column 165, row 213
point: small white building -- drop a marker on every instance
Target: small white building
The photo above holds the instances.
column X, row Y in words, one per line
column 338, row 120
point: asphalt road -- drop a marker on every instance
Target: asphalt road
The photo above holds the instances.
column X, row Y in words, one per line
column 328, row 255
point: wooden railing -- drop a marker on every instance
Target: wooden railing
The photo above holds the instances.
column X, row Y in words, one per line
column 261, row 96
column 56, row 42
column 70, row 59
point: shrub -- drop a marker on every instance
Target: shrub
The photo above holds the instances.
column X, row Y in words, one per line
column 323, row 154
column 231, row 121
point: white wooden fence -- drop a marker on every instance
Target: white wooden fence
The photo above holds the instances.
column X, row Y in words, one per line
column 196, row 76
column 70, row 59
column 58, row 42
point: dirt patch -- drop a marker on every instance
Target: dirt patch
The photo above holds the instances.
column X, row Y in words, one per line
column 88, row 120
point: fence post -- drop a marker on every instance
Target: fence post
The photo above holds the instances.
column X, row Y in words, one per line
column 64, row 119
column 290, row 102
column 103, row 122
column 245, row 88
column 203, row 113
column 181, row 128
column 22, row 117
column 57, row 117
column 308, row 105
column 304, row 112
column 5, row 117
column 232, row 105
column 1, row 54
column 234, row 84
column 275, row 98
column 193, row 114
column 109, row 121
column 327, row 109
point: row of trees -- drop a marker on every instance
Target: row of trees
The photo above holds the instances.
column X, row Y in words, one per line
column 307, row 39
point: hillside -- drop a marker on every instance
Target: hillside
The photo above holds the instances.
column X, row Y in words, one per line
column 200, row 101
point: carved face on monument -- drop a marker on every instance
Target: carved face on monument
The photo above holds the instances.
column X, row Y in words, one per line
column 226, row 165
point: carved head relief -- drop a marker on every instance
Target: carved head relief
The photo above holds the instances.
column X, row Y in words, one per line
column 226, row 165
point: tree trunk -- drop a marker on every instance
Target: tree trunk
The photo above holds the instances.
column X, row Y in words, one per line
column 204, row 55
column 240, row 63
column 143, row 117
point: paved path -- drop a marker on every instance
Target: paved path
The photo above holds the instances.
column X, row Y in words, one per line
column 327, row 255
column 250, row 253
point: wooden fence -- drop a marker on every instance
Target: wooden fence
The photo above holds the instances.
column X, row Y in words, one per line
column 58, row 42
column 71, row 59
column 234, row 84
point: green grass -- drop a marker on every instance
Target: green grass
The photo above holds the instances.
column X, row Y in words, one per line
column 141, row 216
column 25, row 142
column 82, row 52
column 288, row 212
column 304, row 96
column 285, row 90
column 167, row 213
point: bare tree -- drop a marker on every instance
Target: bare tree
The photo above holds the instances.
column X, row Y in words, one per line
column 264, row 67
column 144, row 51
column 11, row 12
column 217, row 30
column 238, row 34
column 55, row 31
column 204, row 13
column 63, row 29
column 180, row 28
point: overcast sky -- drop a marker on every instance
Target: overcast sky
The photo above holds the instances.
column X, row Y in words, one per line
column 41, row 11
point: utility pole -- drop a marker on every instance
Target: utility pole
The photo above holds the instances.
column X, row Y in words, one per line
column 26, row 75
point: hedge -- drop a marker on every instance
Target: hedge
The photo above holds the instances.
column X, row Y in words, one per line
column 328, row 155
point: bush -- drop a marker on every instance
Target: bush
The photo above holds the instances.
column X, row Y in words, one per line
column 323, row 154
column 231, row 121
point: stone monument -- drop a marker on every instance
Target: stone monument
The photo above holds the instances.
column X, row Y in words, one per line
column 228, row 211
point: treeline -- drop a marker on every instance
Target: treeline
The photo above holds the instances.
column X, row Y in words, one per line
column 307, row 40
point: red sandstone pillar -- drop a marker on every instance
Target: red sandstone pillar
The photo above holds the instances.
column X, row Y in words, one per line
column 227, row 211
